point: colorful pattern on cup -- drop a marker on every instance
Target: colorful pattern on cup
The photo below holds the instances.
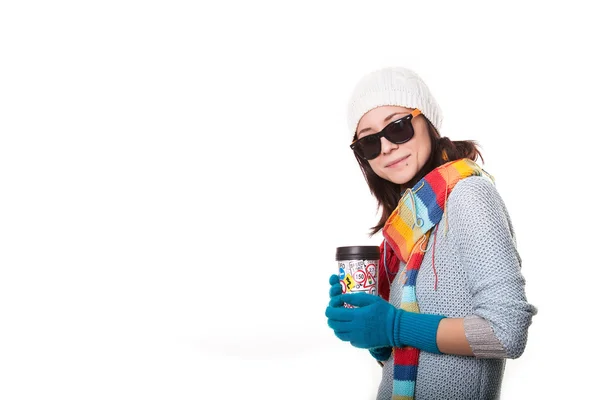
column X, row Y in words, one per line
column 358, row 276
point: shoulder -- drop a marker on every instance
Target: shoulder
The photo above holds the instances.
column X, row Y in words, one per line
column 475, row 201
column 474, row 186
column 475, row 191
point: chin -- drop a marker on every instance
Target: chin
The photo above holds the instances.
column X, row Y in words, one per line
column 401, row 179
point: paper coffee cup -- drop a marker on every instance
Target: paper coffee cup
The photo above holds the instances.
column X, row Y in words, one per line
column 358, row 268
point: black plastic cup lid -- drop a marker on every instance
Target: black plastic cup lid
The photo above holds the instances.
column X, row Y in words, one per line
column 357, row 253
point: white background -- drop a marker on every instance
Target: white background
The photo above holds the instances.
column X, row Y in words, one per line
column 175, row 177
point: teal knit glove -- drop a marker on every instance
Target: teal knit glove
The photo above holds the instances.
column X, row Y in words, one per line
column 378, row 353
column 376, row 323
column 381, row 353
column 334, row 291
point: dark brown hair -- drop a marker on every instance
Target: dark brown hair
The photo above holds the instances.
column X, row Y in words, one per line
column 388, row 193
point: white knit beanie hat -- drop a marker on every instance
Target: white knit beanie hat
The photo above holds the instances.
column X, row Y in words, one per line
column 392, row 86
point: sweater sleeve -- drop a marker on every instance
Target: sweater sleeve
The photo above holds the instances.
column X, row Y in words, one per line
column 486, row 247
column 481, row 338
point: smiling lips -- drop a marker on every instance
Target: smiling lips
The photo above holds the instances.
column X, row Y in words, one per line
column 394, row 163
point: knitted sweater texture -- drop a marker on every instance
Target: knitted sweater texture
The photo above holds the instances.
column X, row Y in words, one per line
column 479, row 278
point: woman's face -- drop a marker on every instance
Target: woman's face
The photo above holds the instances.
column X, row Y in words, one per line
column 397, row 163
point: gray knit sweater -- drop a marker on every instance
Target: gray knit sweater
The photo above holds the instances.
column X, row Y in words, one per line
column 479, row 279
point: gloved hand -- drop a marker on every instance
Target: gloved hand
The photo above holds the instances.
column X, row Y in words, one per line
column 378, row 353
column 381, row 353
column 377, row 323
column 335, row 290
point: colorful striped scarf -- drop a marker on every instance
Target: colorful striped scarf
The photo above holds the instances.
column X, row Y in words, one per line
column 407, row 232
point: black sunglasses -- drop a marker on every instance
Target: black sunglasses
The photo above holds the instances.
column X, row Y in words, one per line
column 398, row 132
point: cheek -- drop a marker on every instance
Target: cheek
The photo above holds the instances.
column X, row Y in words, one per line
column 377, row 169
column 425, row 150
column 423, row 147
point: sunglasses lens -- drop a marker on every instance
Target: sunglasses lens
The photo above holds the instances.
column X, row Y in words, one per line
column 400, row 132
column 369, row 147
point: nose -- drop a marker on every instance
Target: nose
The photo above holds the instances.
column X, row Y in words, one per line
column 387, row 147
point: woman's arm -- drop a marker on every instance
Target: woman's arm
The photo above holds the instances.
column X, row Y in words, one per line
column 470, row 336
column 451, row 338
column 483, row 239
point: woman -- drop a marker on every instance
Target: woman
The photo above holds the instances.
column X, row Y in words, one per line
column 451, row 305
